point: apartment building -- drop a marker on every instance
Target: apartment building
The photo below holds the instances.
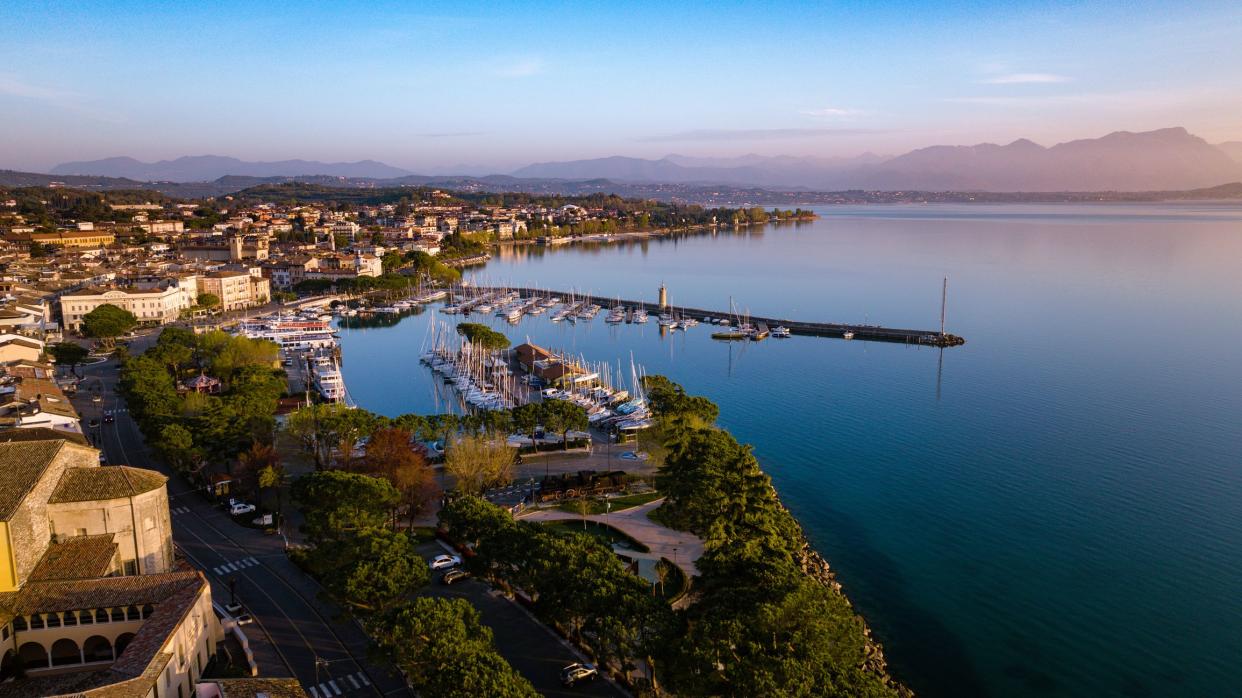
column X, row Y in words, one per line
column 236, row 289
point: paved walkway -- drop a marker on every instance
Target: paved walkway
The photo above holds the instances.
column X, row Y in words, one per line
column 679, row 546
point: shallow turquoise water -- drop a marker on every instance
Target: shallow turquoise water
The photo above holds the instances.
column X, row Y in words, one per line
column 1058, row 514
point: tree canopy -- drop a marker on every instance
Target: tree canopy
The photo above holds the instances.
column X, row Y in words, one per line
column 107, row 322
column 482, row 336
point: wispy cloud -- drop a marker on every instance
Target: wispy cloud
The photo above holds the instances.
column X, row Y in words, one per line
column 1026, row 79
column 755, row 134
column 13, row 86
column 832, row 113
column 520, row 68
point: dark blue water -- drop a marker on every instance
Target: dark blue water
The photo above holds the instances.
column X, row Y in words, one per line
column 1056, row 510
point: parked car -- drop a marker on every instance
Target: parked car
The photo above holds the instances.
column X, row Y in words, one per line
column 244, row 619
column 577, row 673
column 109, row 416
column 239, row 508
column 94, row 423
column 442, row 562
column 234, row 608
column 454, row 575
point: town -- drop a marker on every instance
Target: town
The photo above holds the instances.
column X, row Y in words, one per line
column 192, row 500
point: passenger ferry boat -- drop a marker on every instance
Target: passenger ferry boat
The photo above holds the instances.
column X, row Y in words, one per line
column 291, row 333
column 326, row 378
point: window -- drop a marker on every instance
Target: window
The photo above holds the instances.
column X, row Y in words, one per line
column 71, row 618
column 131, row 568
column 19, row 623
column 53, row 620
column 36, row 622
column 101, row 615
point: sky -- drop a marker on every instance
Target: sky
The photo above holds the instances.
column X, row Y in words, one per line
column 489, row 87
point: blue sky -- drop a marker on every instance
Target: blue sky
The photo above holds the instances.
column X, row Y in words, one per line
column 493, row 86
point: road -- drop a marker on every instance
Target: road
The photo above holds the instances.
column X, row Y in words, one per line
column 529, row 646
column 299, row 634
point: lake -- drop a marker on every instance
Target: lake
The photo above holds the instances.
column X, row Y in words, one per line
column 1053, row 509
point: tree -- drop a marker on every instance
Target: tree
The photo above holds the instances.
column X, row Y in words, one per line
column 69, row 353
column 479, row 462
column 107, row 322
column 563, row 417
column 334, row 501
column 482, row 336
column 372, row 569
column 208, row 300
column 527, row 419
column 271, row 477
column 444, row 650
column 253, row 462
column 389, row 455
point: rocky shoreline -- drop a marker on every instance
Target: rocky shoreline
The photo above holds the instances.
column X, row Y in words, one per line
column 816, row 567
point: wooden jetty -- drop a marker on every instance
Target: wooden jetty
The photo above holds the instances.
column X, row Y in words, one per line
column 874, row 333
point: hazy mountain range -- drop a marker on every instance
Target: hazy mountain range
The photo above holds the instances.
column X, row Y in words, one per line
column 204, row 168
column 1166, row 159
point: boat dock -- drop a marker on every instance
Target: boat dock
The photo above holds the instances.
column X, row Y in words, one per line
column 874, row 333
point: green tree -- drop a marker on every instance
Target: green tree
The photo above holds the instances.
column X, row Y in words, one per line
column 479, row 462
column 562, row 416
column 372, row 569
column 482, row 336
column 527, row 419
column 208, row 300
column 334, row 501
column 444, row 650
column 107, row 322
column 69, row 353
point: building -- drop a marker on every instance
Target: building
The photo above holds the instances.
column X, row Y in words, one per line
column 16, row 347
column 236, row 289
column 92, row 602
column 28, row 402
column 154, row 306
column 75, row 238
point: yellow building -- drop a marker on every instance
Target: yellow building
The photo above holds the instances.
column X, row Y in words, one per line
column 75, row 238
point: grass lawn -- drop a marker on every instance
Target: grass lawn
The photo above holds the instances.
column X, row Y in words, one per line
column 597, row 506
column 607, row 535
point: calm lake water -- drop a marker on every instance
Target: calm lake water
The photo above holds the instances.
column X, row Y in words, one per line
column 1053, row 509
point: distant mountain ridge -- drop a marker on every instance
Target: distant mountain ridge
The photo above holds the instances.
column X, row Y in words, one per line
column 1169, row 159
column 1164, row 159
column 205, row 168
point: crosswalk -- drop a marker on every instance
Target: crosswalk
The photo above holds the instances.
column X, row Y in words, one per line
column 179, row 510
column 235, row 566
column 345, row 684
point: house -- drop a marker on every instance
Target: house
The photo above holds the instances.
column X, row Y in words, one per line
column 16, row 347
column 32, row 403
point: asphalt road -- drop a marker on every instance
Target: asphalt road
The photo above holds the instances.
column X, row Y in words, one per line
column 528, row 645
column 294, row 627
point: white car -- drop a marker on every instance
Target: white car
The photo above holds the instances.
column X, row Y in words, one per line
column 239, row 508
column 244, row 619
column 445, row 561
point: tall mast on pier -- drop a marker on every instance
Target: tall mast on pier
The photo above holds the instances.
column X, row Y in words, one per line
column 944, row 295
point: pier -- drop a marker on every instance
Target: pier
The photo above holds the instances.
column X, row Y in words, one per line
column 873, row 333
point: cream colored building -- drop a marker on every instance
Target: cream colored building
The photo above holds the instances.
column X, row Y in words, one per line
column 236, row 289
column 92, row 602
column 151, row 306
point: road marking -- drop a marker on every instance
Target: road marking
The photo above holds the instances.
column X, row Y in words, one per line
column 314, row 691
column 354, row 681
column 335, row 688
column 362, row 676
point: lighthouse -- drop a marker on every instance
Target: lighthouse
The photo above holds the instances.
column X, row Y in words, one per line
column 663, row 297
